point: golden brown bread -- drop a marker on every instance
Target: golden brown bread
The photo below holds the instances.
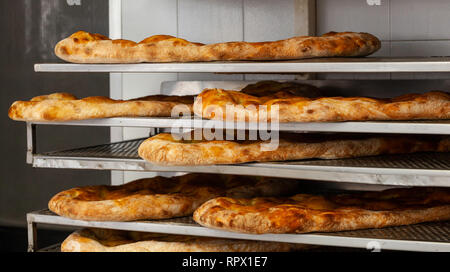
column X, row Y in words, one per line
column 84, row 47
column 66, row 107
column 212, row 104
column 164, row 149
column 106, row 240
column 303, row 213
column 159, row 197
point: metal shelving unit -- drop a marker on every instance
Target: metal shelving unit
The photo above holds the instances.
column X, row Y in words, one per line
column 421, row 169
column 433, row 237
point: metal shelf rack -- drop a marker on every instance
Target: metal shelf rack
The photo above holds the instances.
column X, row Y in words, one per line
column 434, row 237
column 422, row 169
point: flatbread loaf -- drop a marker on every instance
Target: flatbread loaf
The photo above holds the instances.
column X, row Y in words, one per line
column 105, row 240
column 281, row 89
column 160, row 197
column 215, row 104
column 84, row 47
column 304, row 213
column 66, row 107
column 164, row 149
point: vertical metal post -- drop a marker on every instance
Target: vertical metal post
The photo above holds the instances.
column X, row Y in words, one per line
column 305, row 17
column 32, row 235
column 31, row 142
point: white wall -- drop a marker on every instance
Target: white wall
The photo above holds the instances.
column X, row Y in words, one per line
column 405, row 27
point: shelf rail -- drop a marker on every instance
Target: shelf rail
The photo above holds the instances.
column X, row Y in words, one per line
column 419, row 169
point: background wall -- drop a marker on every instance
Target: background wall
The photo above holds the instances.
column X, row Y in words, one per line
column 405, row 27
column 30, row 30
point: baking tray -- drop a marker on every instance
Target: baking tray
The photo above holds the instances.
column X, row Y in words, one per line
column 419, row 169
column 420, row 237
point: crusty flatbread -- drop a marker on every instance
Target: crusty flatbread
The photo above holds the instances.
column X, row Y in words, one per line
column 215, row 104
column 164, row 149
column 303, row 213
column 84, row 47
column 105, row 240
column 159, row 197
column 66, row 107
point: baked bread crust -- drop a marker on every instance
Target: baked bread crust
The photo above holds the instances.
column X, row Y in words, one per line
column 84, row 47
column 105, row 240
column 159, row 197
column 304, row 213
column 163, row 149
column 281, row 89
column 66, row 107
column 212, row 104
